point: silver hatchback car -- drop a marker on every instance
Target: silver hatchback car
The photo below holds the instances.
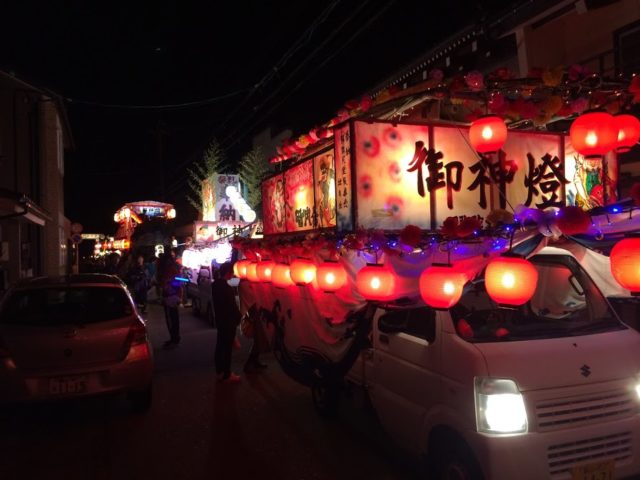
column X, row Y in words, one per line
column 72, row 336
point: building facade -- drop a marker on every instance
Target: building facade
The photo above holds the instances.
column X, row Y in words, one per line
column 34, row 133
column 601, row 35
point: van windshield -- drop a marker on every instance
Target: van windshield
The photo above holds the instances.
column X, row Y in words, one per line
column 566, row 303
column 65, row 305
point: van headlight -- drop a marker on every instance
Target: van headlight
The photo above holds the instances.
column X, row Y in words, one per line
column 499, row 406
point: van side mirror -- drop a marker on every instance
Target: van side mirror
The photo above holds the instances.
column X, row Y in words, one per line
column 391, row 324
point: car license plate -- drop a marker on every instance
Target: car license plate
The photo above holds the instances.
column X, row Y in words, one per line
column 594, row 471
column 68, row 385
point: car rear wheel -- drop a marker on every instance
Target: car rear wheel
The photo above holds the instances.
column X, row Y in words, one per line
column 141, row 401
column 211, row 318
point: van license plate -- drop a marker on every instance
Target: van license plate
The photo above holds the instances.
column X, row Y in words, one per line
column 594, row 471
column 68, row 385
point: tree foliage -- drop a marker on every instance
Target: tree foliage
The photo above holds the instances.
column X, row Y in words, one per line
column 212, row 161
column 253, row 169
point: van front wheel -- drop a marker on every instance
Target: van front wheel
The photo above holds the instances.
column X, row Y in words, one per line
column 325, row 399
column 457, row 463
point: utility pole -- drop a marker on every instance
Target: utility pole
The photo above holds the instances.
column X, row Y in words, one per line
column 160, row 133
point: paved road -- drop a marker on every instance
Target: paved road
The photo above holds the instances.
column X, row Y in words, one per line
column 260, row 429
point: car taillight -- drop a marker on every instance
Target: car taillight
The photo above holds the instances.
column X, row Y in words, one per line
column 137, row 333
column 138, row 347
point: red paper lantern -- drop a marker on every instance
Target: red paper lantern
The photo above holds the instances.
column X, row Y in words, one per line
column 331, row 276
column 265, row 269
column 375, row 282
column 488, row 134
column 240, row 268
column 441, row 286
column 510, row 280
column 628, row 132
column 625, row 263
column 252, row 272
column 302, row 271
column 593, row 134
column 281, row 276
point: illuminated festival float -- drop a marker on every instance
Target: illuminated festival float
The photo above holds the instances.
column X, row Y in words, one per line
column 226, row 215
column 143, row 225
column 493, row 227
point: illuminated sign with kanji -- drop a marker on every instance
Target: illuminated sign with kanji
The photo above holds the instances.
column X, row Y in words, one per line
column 390, row 175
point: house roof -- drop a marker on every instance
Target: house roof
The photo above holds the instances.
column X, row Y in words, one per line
column 57, row 99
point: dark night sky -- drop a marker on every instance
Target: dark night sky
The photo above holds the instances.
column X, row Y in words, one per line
column 176, row 52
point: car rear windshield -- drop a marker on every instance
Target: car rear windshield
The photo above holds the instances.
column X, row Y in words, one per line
column 566, row 303
column 65, row 305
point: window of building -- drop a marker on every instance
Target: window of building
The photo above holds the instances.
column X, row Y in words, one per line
column 626, row 42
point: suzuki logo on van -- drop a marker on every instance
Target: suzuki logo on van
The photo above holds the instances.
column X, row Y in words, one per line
column 586, row 370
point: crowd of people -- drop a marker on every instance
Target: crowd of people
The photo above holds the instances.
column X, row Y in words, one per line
column 141, row 274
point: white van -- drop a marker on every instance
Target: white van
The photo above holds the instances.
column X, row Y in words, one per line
column 550, row 390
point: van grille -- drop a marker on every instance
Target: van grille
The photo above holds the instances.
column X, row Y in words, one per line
column 563, row 413
column 563, row 457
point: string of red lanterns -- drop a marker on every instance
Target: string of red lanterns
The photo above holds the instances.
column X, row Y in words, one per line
column 441, row 285
column 303, row 271
column 252, row 272
column 331, row 276
column 281, row 276
column 625, row 264
column 487, row 134
column 510, row 280
column 593, row 134
column 265, row 270
column 375, row 282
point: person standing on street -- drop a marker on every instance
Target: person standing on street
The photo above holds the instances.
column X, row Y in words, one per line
column 168, row 269
column 227, row 317
column 138, row 283
column 260, row 342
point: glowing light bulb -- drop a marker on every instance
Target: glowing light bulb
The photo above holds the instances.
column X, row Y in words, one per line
column 375, row 283
column 508, row 280
column 268, row 271
column 330, row 278
column 448, row 288
column 621, row 135
column 591, row 139
column 487, row 133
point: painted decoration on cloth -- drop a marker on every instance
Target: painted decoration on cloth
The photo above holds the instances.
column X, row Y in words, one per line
column 459, row 180
column 225, row 211
column 206, row 232
column 215, row 204
column 208, row 200
column 587, row 187
column 390, row 185
column 342, row 139
column 324, row 173
column 273, row 207
column 403, row 179
column 535, row 171
column 299, row 198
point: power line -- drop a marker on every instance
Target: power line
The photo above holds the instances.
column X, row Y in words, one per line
column 319, row 66
column 197, row 103
column 274, row 71
column 306, row 60
column 292, row 50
